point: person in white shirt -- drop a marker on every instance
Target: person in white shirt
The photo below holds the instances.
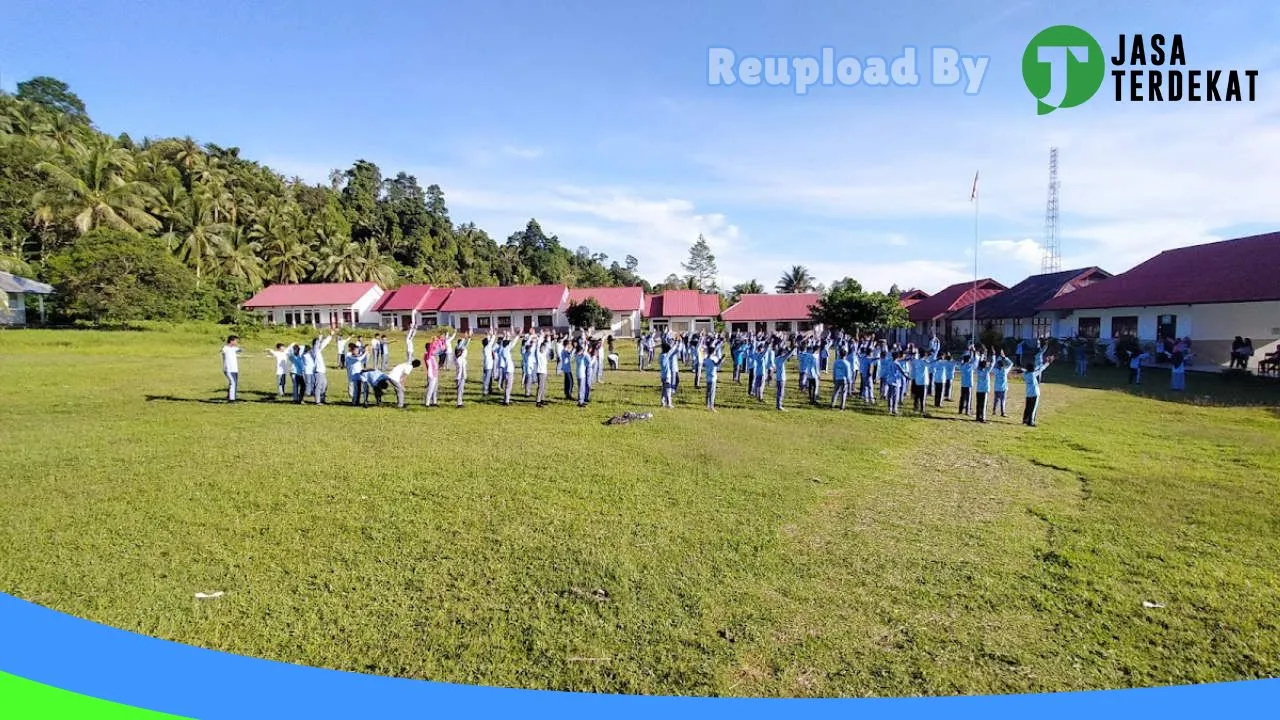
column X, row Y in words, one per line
column 408, row 342
column 282, row 366
column 396, row 378
column 231, row 365
column 487, row 346
column 320, row 380
column 460, row 365
column 541, row 362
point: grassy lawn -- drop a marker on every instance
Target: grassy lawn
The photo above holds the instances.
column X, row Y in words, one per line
column 746, row 552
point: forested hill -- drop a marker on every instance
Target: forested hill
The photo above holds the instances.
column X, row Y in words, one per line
column 170, row 228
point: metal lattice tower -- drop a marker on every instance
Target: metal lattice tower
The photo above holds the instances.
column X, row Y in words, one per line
column 1052, row 259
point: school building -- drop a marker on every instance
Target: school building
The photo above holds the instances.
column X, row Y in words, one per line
column 511, row 308
column 788, row 312
column 626, row 304
column 1210, row 293
column 14, row 290
column 318, row 304
column 935, row 314
column 1015, row 313
column 682, row 311
column 412, row 306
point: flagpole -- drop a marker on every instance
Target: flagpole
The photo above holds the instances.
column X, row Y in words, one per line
column 973, row 332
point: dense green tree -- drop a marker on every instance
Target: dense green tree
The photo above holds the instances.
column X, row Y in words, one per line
column 848, row 307
column 111, row 276
column 588, row 315
column 55, row 95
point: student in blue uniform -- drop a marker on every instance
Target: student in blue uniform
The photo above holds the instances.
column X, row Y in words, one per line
column 1031, row 376
column 1178, row 374
column 938, row 372
column 711, row 369
column 982, row 383
column 966, row 368
column 866, row 364
column 505, row 366
column 780, row 357
column 919, row 382
column 666, row 372
column 1000, row 374
column 582, row 373
column 893, row 376
column 840, row 375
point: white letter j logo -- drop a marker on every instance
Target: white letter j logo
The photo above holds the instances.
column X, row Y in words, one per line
column 1056, row 57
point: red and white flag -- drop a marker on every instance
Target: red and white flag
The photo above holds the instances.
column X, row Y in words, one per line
column 973, row 195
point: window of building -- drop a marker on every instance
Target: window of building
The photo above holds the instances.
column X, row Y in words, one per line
column 1125, row 326
column 1043, row 327
column 389, row 319
column 804, row 326
column 1017, row 328
column 504, row 322
column 738, row 327
column 346, row 317
column 762, row 327
column 783, row 326
column 483, row 322
column 1089, row 327
column 1166, row 327
column 544, row 321
column 430, row 320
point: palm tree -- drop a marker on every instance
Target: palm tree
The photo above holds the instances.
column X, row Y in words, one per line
column 198, row 235
column 340, row 260
column 796, row 280
column 94, row 187
column 275, row 229
column 237, row 257
column 750, row 287
column 375, row 266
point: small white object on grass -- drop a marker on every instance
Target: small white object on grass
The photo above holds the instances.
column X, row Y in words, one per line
column 209, row 596
column 1150, row 605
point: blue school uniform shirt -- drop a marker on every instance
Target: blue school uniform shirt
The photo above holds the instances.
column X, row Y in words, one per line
column 966, row 375
column 710, row 366
column 843, row 369
column 864, row 365
column 984, row 380
column 780, row 366
column 885, row 362
column 582, row 363
column 895, row 374
column 920, row 371
column 1032, row 379
column 373, row 377
column 1001, row 375
column 298, row 367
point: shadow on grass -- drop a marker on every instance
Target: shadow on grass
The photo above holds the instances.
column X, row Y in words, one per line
column 1202, row 388
column 259, row 396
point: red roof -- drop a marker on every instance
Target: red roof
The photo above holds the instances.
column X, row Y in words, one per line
column 911, row 297
column 953, row 298
column 511, row 297
column 683, row 303
column 623, row 299
column 760, row 308
column 409, row 298
column 1241, row 270
column 310, row 294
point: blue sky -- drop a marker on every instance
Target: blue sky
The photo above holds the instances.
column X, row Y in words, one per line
column 597, row 118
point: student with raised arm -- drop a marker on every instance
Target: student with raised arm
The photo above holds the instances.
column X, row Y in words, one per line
column 542, row 359
column 460, row 365
column 983, row 386
column 355, row 366
column 320, row 384
column 431, row 364
column 299, row 373
column 919, row 382
column 1000, row 374
column 281, row 356
column 486, row 364
column 231, row 365
column 666, row 373
column 780, row 357
column 966, row 368
column 308, row 371
column 582, row 372
column 711, row 369
column 409, row 337
column 867, row 365
column 1031, row 376
column 506, row 368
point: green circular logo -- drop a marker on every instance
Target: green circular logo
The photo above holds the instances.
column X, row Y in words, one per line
column 1063, row 67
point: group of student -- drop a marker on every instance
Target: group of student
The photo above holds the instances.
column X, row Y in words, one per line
column 868, row 366
column 301, row 370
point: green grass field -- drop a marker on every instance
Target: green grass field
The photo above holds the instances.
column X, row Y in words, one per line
column 746, row 552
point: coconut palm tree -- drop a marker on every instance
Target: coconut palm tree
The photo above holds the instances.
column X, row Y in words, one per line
column 237, row 257
column 796, row 280
column 93, row 186
column 198, row 235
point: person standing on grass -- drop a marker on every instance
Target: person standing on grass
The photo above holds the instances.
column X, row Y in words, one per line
column 666, row 372
column 355, row 366
column 966, row 368
column 840, row 375
column 1082, row 359
column 308, row 372
column 543, row 355
column 506, row 367
column 582, row 372
column 937, row 373
column 409, row 337
column 781, row 355
column 1031, row 376
column 1178, row 373
column 919, row 382
column 460, row 365
column 281, row 356
column 431, row 366
column 1000, row 387
column 231, row 365
column 1135, row 367
column 299, row 375
column 893, row 375
column 320, row 381
column 982, row 383
column 566, row 368
column 711, row 369
column 867, row 363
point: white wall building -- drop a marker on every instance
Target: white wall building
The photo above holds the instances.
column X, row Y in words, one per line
column 318, row 304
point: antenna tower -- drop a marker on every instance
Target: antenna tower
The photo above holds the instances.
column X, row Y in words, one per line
column 1052, row 260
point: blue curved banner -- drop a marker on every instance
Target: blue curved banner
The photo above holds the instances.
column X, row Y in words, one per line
column 64, row 652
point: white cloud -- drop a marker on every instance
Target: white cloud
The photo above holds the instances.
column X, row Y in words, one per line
column 524, row 153
column 1026, row 252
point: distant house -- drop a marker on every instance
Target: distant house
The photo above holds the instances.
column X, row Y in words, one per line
column 412, row 306
column 318, row 304
column 788, row 312
column 933, row 315
column 911, row 297
column 1015, row 313
column 626, row 304
column 13, row 298
column 682, row 311
column 1210, row 293
column 506, row 309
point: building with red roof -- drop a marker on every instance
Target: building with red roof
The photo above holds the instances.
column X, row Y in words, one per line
column 682, row 311
column 1015, row 313
column 933, row 315
column 786, row 312
column 911, row 297
column 1211, row 293
column 318, row 304
column 510, row 308
column 626, row 304
column 412, row 306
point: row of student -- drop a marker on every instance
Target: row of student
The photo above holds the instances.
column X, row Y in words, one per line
column 579, row 358
column 864, row 363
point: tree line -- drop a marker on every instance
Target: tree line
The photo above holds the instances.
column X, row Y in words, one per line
column 170, row 228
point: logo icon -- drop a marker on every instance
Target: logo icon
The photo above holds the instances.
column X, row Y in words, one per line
column 1063, row 67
